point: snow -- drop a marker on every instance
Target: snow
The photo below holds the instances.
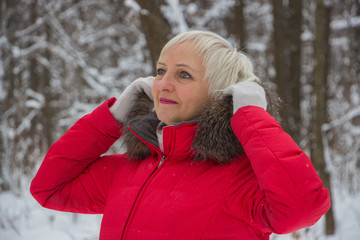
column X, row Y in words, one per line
column 133, row 5
column 343, row 120
column 23, row 218
column 339, row 24
column 30, row 29
column 174, row 13
column 219, row 9
column 256, row 46
column 307, row 36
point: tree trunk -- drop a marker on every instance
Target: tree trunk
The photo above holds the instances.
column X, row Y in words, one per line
column 48, row 111
column 7, row 23
column 156, row 27
column 321, row 56
column 35, row 83
column 294, row 21
column 287, row 54
column 355, row 43
column 10, row 20
column 237, row 24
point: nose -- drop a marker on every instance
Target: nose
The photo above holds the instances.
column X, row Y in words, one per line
column 166, row 83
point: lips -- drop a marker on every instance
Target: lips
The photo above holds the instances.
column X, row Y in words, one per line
column 167, row 101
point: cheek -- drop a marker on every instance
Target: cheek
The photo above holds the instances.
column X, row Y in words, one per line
column 153, row 88
column 194, row 98
column 185, row 95
column 202, row 96
column 154, row 92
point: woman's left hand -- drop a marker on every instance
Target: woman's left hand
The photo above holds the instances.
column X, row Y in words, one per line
column 245, row 94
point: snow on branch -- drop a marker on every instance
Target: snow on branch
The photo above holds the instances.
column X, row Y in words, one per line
column 346, row 118
column 36, row 103
column 174, row 13
column 218, row 9
column 340, row 24
column 90, row 74
column 23, row 52
column 133, row 5
column 72, row 10
column 31, row 28
column 88, row 38
column 38, row 99
column 337, row 123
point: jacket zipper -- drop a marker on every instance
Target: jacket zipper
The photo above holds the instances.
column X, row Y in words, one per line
column 161, row 161
column 138, row 197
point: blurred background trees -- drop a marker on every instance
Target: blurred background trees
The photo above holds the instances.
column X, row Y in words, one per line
column 60, row 59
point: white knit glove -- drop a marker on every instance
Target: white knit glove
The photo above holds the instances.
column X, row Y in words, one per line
column 245, row 94
column 126, row 100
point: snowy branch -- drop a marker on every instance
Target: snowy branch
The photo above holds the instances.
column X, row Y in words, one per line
column 36, row 103
column 107, row 32
column 336, row 123
column 346, row 118
column 30, row 29
column 174, row 13
column 72, row 10
column 340, row 24
column 23, row 52
column 218, row 9
column 90, row 74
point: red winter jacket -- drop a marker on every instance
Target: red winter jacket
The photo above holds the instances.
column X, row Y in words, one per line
column 270, row 187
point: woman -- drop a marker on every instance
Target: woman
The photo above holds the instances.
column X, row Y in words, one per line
column 204, row 159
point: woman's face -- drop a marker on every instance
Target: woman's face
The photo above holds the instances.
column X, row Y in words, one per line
column 180, row 91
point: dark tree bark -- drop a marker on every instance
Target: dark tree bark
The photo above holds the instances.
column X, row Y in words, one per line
column 321, row 56
column 294, row 55
column 156, row 27
column 48, row 111
column 287, row 54
column 237, row 24
column 355, row 43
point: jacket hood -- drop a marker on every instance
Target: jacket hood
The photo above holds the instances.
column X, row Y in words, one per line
column 214, row 138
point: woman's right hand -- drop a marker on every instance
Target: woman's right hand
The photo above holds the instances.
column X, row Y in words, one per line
column 126, row 100
column 247, row 93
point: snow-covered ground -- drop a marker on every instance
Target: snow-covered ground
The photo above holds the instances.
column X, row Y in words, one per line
column 23, row 218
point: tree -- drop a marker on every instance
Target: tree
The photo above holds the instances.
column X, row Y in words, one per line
column 321, row 56
column 287, row 57
column 155, row 26
column 12, row 117
column 237, row 24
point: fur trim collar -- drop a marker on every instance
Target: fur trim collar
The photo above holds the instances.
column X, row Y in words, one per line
column 214, row 137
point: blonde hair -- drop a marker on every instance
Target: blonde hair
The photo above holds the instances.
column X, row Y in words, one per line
column 224, row 65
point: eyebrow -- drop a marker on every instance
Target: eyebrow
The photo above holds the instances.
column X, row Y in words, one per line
column 178, row 65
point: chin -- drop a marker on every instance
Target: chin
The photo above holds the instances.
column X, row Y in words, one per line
column 163, row 117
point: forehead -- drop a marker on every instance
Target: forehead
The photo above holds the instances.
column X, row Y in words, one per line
column 181, row 53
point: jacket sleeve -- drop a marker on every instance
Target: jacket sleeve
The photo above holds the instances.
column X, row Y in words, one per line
column 285, row 192
column 73, row 177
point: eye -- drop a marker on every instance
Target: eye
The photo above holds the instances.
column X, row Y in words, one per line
column 160, row 71
column 185, row 75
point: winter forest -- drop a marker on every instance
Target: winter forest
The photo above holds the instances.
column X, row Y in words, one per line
column 61, row 59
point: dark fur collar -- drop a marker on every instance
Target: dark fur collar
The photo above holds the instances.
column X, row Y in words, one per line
column 214, row 138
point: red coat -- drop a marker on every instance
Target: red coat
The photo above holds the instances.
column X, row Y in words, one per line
column 272, row 187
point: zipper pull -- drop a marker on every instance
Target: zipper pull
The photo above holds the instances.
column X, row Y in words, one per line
column 161, row 160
